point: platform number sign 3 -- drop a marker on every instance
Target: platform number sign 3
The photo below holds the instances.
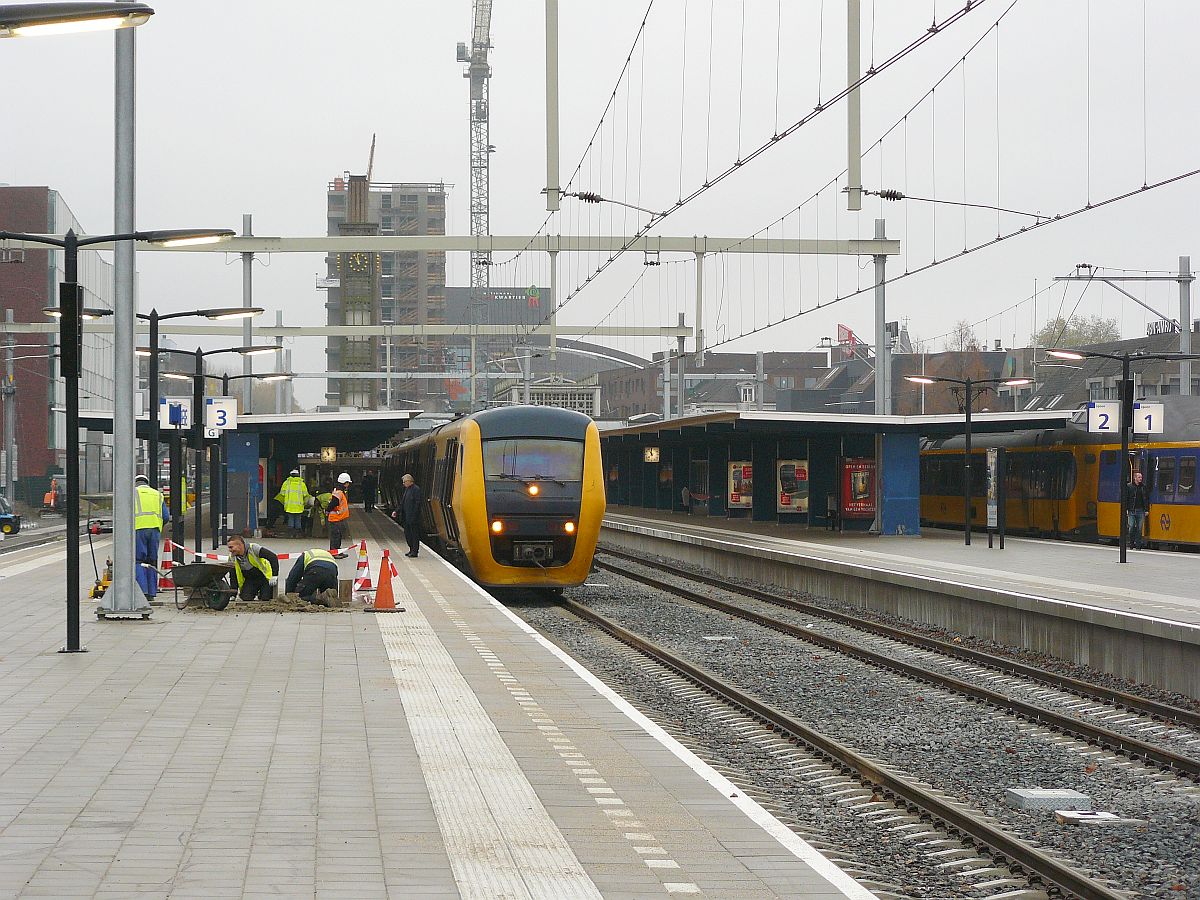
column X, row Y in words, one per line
column 1148, row 418
column 220, row 413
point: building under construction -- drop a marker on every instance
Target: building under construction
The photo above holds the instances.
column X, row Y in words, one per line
column 402, row 288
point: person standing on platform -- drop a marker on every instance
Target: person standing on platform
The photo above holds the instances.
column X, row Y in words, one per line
column 685, row 497
column 314, row 572
column 253, row 568
column 370, row 489
column 339, row 513
column 294, row 497
column 1137, row 507
column 410, row 514
column 149, row 514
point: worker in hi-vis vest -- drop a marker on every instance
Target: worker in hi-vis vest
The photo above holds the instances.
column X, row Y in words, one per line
column 294, row 497
column 339, row 512
column 150, row 513
column 314, row 577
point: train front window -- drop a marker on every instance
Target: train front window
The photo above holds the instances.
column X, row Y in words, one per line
column 533, row 459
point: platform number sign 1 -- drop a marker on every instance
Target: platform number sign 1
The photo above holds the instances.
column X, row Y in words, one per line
column 1147, row 418
column 1104, row 417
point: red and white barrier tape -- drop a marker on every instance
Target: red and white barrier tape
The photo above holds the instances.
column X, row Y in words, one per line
column 169, row 546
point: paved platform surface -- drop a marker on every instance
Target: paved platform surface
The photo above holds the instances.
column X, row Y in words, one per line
column 1154, row 583
column 440, row 752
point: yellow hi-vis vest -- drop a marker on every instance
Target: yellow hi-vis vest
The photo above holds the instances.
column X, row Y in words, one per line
column 255, row 560
column 148, row 507
column 312, row 556
column 293, row 495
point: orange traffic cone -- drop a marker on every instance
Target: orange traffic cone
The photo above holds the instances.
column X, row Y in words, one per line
column 385, row 601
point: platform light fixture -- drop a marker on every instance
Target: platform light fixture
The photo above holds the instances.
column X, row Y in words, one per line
column 47, row 19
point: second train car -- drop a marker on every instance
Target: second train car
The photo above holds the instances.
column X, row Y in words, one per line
column 514, row 495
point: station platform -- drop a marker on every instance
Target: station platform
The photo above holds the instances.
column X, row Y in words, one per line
column 445, row 751
column 1140, row 620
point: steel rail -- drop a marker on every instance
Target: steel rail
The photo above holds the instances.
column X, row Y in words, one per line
column 1044, row 867
column 1132, row 702
column 1094, row 734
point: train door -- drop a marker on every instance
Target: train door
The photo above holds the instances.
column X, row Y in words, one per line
column 1165, row 524
column 446, row 500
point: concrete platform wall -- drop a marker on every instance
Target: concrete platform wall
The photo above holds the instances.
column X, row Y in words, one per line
column 1143, row 649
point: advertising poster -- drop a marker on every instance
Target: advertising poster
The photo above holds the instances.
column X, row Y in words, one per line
column 741, row 484
column 993, row 488
column 858, row 489
column 792, row 486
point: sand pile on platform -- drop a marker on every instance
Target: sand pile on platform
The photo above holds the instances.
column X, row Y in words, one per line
column 278, row 605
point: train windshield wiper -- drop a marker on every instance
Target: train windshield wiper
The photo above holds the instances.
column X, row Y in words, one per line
column 546, row 478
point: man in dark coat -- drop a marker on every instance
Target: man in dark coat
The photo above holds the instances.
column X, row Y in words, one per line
column 410, row 514
column 370, row 488
column 1137, row 507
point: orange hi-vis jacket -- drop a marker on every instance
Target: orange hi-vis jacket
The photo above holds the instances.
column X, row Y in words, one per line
column 342, row 513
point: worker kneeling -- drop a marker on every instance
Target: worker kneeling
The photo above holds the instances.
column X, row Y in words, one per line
column 253, row 568
column 315, row 578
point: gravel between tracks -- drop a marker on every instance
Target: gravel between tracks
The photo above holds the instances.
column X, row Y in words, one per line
column 1177, row 739
column 1020, row 654
column 954, row 744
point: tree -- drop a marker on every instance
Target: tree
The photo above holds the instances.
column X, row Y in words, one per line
column 962, row 338
column 1078, row 331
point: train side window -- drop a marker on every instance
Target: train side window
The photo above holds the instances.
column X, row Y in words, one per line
column 1165, row 482
column 1187, row 475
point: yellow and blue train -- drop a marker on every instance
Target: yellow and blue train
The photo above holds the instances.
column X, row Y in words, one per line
column 1066, row 483
column 513, row 495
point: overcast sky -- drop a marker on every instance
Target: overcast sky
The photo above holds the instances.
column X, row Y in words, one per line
column 254, row 107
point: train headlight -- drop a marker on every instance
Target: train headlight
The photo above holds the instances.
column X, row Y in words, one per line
column 497, row 526
column 569, row 528
column 534, row 490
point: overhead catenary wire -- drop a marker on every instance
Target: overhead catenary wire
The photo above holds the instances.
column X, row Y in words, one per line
column 774, row 140
column 1027, row 229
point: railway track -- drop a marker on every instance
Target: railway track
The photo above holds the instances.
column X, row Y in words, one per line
column 1093, row 733
column 1042, row 867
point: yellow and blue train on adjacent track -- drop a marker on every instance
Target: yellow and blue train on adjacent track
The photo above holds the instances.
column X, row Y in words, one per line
column 1066, row 483
column 514, row 495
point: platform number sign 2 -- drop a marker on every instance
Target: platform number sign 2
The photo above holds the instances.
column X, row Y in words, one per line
column 1148, row 418
column 1104, row 417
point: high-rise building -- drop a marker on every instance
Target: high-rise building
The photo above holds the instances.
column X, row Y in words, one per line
column 402, row 288
column 29, row 282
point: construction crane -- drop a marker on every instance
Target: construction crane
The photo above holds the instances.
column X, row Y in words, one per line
column 479, row 73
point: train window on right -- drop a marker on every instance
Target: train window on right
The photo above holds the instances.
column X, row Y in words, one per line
column 1187, row 475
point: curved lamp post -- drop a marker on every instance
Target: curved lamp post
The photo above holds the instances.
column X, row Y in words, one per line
column 969, row 385
column 71, row 314
column 1126, row 396
column 197, row 377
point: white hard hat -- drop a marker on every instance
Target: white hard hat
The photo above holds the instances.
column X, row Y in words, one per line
column 344, row 478
column 295, row 471
column 138, row 478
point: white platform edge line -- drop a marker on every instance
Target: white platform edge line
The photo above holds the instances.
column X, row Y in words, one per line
column 664, row 534
column 752, row 810
column 48, row 555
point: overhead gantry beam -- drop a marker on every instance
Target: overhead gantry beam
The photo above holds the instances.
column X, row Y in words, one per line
column 393, row 331
column 516, row 243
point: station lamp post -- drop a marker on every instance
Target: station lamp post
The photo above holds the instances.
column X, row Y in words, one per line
column 1126, row 398
column 71, row 313
column 219, row 314
column 969, row 385
column 197, row 377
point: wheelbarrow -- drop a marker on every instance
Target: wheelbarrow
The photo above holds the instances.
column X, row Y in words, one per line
column 204, row 583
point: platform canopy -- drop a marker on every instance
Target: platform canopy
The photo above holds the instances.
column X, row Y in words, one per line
column 796, row 423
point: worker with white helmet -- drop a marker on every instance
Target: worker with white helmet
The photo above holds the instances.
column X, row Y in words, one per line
column 150, row 513
column 339, row 513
